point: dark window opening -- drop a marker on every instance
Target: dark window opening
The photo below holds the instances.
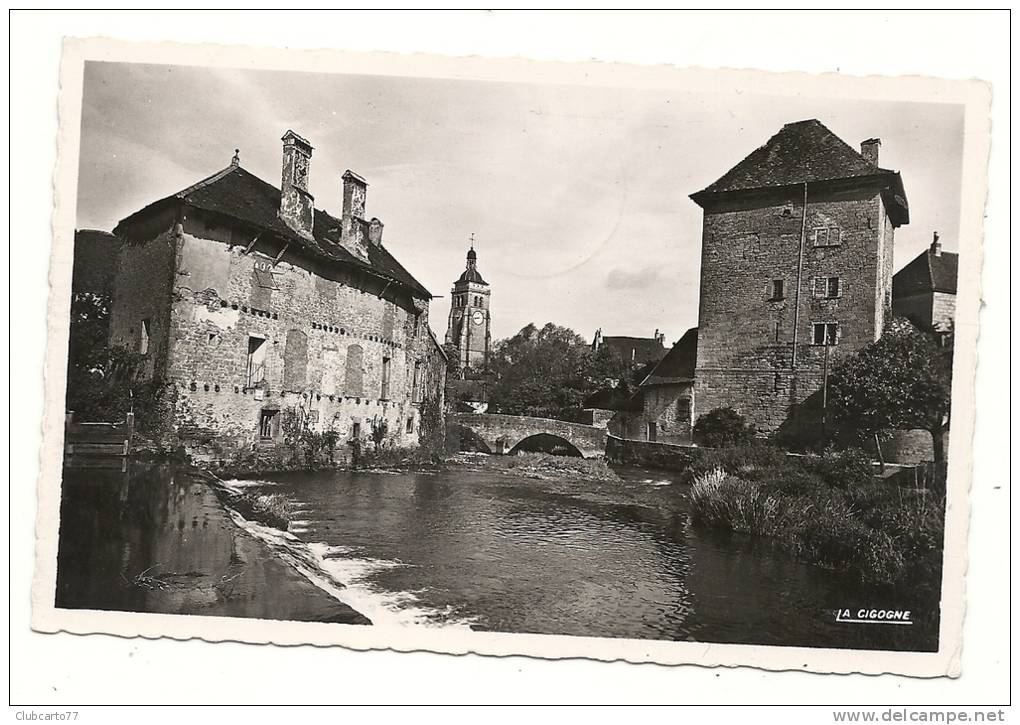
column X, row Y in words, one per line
column 143, row 340
column 410, row 424
column 256, row 371
column 825, row 333
column 778, row 291
column 355, row 430
column 268, row 420
column 653, row 433
column 385, row 392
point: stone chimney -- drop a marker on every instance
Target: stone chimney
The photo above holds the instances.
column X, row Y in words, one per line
column 869, row 150
column 375, row 228
column 660, row 337
column 936, row 245
column 354, row 228
column 296, row 204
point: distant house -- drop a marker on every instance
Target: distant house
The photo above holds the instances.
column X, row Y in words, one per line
column 636, row 351
column 662, row 409
column 925, row 289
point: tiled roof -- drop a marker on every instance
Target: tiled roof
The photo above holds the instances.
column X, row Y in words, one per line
column 678, row 365
column 806, row 151
column 639, row 350
column 927, row 272
column 240, row 195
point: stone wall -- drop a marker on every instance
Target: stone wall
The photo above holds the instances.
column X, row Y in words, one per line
column 746, row 334
column 654, row 455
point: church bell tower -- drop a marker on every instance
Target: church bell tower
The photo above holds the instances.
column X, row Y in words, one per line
column 468, row 328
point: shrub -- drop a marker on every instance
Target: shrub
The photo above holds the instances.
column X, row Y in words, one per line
column 723, row 427
column 842, row 469
column 269, row 509
column 719, row 500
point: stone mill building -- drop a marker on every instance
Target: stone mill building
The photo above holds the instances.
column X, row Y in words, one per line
column 263, row 314
column 796, row 270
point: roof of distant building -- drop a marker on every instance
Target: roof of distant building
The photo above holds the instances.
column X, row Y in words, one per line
column 927, row 272
column 243, row 197
column 807, row 151
column 678, row 365
column 638, row 350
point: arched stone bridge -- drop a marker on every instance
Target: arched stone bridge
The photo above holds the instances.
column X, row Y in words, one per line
column 504, row 433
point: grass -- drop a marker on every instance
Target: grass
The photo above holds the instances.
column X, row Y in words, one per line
column 831, row 512
column 545, row 465
column 268, row 509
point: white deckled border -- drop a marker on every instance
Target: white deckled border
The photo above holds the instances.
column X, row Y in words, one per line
column 974, row 95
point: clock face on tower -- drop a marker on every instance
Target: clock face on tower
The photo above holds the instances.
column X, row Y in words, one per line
column 478, row 317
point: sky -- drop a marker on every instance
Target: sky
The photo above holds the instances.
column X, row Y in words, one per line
column 577, row 196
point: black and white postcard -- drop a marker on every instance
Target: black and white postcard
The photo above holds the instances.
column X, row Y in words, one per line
column 512, row 357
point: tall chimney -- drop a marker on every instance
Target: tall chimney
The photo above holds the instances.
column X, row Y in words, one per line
column 296, row 204
column 354, row 228
column 869, row 150
column 936, row 245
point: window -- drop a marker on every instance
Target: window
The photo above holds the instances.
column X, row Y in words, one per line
column 777, row 330
column 416, row 383
column 143, row 339
column 683, row 409
column 653, row 433
column 268, row 423
column 256, row 371
column 385, row 393
column 825, row 333
column 827, row 287
column 825, row 237
column 410, row 424
column 778, row 289
column 355, row 430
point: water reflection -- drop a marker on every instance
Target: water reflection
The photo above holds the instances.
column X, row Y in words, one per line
column 499, row 552
column 154, row 539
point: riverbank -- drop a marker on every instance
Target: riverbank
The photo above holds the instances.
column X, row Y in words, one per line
column 537, row 466
column 156, row 538
column 831, row 511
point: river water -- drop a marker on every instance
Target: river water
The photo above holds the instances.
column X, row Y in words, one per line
column 467, row 547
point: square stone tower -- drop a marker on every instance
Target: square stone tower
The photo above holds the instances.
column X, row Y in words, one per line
column 796, row 270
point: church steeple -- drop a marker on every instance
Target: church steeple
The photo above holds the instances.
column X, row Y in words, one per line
column 468, row 328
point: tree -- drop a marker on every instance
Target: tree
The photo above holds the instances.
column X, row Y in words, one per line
column 453, row 368
column 721, row 428
column 545, row 372
column 901, row 381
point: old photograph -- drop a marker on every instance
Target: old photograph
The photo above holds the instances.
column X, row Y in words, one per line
column 653, row 363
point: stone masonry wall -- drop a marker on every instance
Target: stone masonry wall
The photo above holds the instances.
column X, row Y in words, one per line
column 311, row 324
column 745, row 339
column 141, row 291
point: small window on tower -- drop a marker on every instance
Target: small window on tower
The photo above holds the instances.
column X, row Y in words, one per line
column 778, row 291
column 143, row 339
column 825, row 333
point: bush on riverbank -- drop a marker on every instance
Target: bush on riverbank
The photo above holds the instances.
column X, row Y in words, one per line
column 874, row 532
column 268, row 509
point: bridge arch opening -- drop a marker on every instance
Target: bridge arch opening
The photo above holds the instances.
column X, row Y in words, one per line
column 467, row 440
column 546, row 443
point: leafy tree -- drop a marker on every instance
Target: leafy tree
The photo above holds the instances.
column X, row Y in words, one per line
column 543, row 372
column 453, row 368
column 901, row 381
column 723, row 428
